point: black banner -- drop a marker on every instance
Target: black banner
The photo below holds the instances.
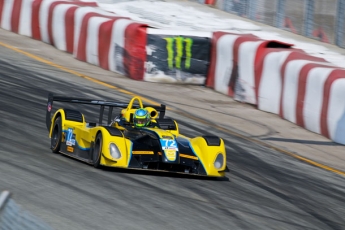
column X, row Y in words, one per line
column 184, row 58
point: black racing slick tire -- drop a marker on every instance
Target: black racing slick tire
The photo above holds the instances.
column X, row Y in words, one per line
column 97, row 151
column 56, row 136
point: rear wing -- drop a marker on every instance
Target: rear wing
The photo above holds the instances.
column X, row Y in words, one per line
column 111, row 104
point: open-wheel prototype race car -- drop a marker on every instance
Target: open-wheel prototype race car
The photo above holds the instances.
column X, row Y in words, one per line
column 119, row 143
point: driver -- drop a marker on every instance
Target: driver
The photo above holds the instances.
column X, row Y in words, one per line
column 141, row 118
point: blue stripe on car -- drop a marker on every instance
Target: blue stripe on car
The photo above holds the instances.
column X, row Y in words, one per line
column 81, row 148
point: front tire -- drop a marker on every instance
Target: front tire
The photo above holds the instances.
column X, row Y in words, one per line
column 97, row 151
column 56, row 136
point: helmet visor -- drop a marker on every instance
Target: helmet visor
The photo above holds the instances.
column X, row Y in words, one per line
column 140, row 121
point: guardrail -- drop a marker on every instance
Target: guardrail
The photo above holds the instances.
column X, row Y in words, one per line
column 13, row 217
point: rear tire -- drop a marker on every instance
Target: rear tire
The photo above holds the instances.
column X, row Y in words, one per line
column 56, row 136
column 97, row 151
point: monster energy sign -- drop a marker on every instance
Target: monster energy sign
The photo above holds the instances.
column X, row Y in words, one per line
column 179, row 51
column 186, row 56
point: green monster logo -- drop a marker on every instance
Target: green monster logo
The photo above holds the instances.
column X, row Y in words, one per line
column 179, row 51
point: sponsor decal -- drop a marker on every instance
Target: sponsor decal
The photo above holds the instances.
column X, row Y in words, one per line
column 169, row 144
column 70, row 139
column 70, row 149
column 170, row 148
column 181, row 44
column 183, row 58
column 49, row 107
column 170, row 154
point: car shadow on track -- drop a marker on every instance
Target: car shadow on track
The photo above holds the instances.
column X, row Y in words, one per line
column 163, row 174
column 151, row 172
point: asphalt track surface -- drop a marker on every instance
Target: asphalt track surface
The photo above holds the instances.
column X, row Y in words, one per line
column 265, row 189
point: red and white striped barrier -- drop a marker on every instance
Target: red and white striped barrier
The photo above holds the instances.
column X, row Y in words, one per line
column 302, row 89
column 269, row 71
column 333, row 107
column 91, row 34
column 232, row 67
column 95, row 36
column 15, row 17
column 60, row 29
column 32, row 18
column 50, row 10
column 224, row 61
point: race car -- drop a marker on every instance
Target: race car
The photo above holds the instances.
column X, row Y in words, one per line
column 118, row 143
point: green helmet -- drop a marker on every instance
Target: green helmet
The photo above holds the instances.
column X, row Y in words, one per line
column 141, row 118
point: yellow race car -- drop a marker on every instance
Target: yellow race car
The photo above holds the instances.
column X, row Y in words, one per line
column 118, row 143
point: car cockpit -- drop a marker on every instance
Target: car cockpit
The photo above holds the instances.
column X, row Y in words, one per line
column 125, row 119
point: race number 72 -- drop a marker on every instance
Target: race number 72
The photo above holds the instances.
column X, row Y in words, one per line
column 169, row 144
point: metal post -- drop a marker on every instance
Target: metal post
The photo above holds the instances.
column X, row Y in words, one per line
column 280, row 14
column 4, row 197
column 101, row 115
column 340, row 18
column 252, row 5
column 309, row 18
column 245, row 11
column 229, row 6
column 110, row 113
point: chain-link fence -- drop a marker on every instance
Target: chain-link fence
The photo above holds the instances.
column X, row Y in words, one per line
column 323, row 20
column 13, row 217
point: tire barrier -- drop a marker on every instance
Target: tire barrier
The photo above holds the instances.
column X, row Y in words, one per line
column 270, row 74
column 109, row 41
